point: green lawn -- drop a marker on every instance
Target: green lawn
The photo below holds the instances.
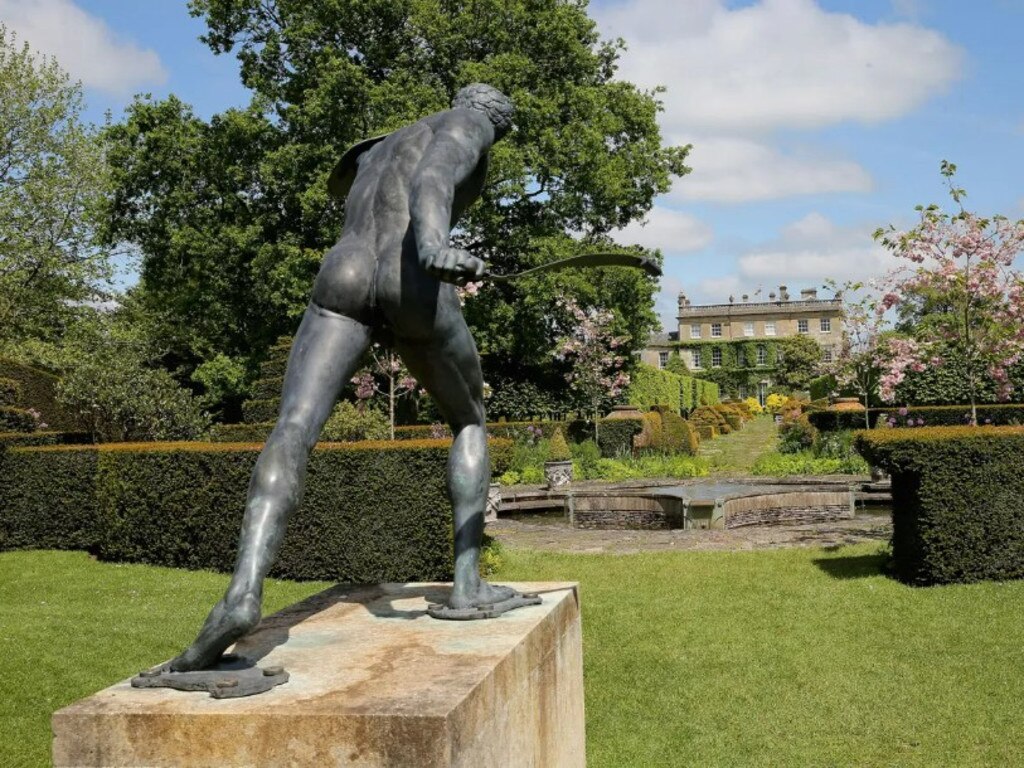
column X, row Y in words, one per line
column 70, row 626
column 799, row 657
column 735, row 453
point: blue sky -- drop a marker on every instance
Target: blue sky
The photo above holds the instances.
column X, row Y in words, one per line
column 813, row 121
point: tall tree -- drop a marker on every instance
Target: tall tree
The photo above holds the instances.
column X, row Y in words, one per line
column 249, row 211
column 799, row 362
column 52, row 176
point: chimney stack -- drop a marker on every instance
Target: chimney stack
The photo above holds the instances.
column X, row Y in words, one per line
column 809, row 294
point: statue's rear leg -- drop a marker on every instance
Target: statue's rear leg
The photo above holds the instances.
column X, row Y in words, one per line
column 449, row 367
column 324, row 355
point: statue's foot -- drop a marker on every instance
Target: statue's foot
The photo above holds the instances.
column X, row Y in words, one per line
column 225, row 624
column 479, row 593
column 481, row 601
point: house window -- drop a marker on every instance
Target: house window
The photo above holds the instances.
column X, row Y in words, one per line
column 696, row 359
column 741, row 358
column 716, row 358
column 662, row 359
column 762, row 355
column 716, row 330
column 801, row 326
column 695, row 331
column 826, row 324
column 826, row 354
column 769, row 328
column 748, row 329
column 743, row 391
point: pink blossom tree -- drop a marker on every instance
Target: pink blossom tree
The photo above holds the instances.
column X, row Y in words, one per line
column 591, row 346
column 388, row 366
column 963, row 263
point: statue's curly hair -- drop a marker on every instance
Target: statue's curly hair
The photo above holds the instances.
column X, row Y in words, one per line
column 485, row 98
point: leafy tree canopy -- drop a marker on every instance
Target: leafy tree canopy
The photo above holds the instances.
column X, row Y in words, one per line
column 232, row 215
column 52, row 177
column 799, row 362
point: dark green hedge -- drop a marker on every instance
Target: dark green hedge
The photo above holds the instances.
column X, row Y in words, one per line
column 24, row 440
column 933, row 416
column 258, row 411
column 837, row 421
column 268, row 389
column 958, row 500
column 10, row 391
column 615, row 436
column 48, row 498
column 241, row 433
column 372, row 511
column 38, row 390
column 16, row 420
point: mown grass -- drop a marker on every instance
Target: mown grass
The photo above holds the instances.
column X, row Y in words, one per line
column 800, row 657
column 735, row 453
column 70, row 626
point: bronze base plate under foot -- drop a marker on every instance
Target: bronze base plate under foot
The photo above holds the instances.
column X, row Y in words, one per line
column 229, row 678
column 486, row 611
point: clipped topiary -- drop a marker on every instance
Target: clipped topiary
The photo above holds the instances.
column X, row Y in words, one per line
column 558, row 449
column 957, row 512
column 651, row 438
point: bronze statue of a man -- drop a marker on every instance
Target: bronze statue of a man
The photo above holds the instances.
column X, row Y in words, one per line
column 393, row 267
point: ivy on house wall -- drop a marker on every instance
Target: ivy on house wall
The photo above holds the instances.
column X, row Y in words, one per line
column 739, row 367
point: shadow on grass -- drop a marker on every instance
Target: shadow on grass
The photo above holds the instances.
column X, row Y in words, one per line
column 855, row 567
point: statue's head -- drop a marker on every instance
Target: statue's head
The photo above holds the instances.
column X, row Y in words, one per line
column 492, row 102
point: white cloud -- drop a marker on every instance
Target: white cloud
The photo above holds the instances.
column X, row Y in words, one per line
column 737, row 77
column 732, row 170
column 667, row 229
column 83, row 45
column 811, row 250
column 776, row 64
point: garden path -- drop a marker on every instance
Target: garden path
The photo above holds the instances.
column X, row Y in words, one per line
column 735, row 453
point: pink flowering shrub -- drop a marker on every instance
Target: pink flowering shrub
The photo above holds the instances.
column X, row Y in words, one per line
column 591, row 347
column 963, row 263
column 398, row 383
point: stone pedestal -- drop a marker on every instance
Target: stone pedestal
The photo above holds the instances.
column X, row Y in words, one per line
column 374, row 682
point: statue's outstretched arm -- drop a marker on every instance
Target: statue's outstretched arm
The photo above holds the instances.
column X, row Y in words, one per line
column 451, row 157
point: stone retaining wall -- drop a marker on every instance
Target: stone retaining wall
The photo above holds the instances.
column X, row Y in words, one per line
column 789, row 508
column 625, row 512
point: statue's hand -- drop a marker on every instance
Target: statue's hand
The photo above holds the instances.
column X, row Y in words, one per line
column 453, row 265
